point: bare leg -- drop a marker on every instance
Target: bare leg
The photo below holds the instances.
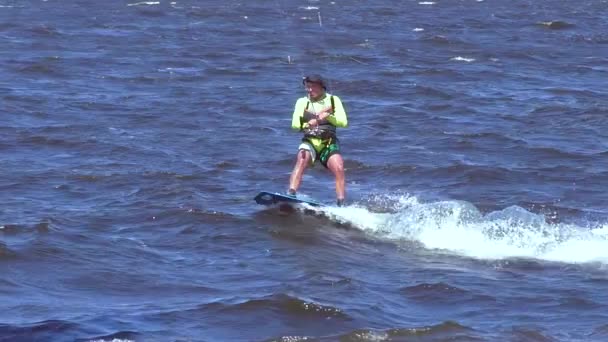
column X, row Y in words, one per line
column 302, row 161
column 336, row 164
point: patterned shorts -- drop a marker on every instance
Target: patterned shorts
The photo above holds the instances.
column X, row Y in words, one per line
column 325, row 150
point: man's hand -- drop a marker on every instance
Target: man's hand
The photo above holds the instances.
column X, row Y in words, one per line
column 324, row 115
column 321, row 115
column 313, row 123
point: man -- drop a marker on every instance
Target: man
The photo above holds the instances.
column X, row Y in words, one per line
column 317, row 116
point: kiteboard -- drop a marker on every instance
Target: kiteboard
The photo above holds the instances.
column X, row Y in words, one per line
column 271, row 198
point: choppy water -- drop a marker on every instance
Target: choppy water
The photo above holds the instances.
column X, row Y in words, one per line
column 134, row 136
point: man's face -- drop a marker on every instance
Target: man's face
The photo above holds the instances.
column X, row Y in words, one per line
column 313, row 89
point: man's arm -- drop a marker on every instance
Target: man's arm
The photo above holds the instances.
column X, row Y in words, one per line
column 338, row 118
column 298, row 112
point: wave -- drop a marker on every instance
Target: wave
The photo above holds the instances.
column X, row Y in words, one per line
column 5, row 252
column 435, row 71
column 561, row 155
column 121, row 336
column 488, row 137
column 274, row 307
column 40, row 331
column 59, row 330
column 294, row 306
column 149, row 10
column 149, row 3
column 601, row 331
column 458, row 227
column 45, row 68
column 50, row 141
column 442, row 293
column 556, row 25
column 431, row 92
column 529, row 334
column 448, row 330
column 44, row 31
column 462, row 59
column 14, row 229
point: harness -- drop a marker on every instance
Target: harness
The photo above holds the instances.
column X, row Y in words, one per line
column 325, row 129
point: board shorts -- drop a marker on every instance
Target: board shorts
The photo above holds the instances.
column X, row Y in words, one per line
column 320, row 150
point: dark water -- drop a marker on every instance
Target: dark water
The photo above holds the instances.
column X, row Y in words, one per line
column 134, row 136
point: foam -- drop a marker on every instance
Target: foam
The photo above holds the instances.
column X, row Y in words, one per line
column 462, row 59
column 458, row 227
column 149, row 3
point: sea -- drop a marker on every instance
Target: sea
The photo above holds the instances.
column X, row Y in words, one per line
column 134, row 136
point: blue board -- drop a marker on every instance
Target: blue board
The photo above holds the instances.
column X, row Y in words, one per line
column 270, row 198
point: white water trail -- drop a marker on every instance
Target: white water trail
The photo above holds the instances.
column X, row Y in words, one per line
column 458, row 227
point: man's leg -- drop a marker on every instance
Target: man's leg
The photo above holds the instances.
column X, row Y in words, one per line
column 336, row 164
column 302, row 161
